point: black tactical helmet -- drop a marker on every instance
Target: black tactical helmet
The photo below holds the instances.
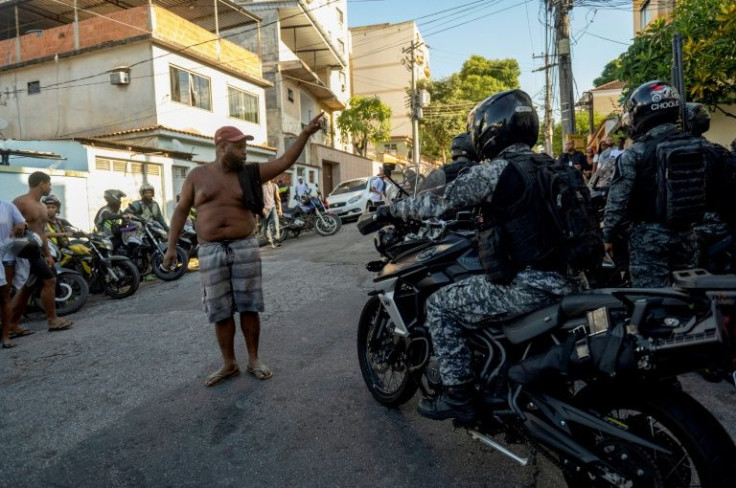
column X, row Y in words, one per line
column 114, row 196
column 652, row 104
column 462, row 145
column 698, row 118
column 51, row 200
column 501, row 120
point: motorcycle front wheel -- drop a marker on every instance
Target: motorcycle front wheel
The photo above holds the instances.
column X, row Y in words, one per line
column 72, row 292
column 701, row 451
column 327, row 225
column 127, row 282
column 385, row 370
column 178, row 269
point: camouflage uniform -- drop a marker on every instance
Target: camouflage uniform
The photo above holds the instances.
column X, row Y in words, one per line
column 474, row 302
column 655, row 250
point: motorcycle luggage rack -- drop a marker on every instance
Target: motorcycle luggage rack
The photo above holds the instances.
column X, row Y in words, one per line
column 700, row 279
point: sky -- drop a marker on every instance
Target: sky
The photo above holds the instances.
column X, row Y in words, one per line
column 504, row 29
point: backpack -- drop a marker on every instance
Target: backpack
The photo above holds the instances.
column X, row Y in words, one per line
column 721, row 182
column 565, row 226
column 681, row 162
column 572, row 213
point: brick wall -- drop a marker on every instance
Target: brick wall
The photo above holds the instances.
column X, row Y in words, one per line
column 170, row 29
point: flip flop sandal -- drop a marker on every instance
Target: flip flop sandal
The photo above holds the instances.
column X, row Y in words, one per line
column 63, row 326
column 262, row 372
column 22, row 333
column 217, row 378
column 8, row 345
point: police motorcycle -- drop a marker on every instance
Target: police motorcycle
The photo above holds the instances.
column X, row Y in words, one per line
column 91, row 256
column 590, row 382
column 145, row 243
column 72, row 290
column 188, row 239
column 309, row 213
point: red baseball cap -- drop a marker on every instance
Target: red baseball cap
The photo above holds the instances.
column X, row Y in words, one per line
column 230, row 134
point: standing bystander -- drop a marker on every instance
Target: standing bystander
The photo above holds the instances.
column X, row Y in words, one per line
column 271, row 212
column 36, row 214
column 378, row 189
column 12, row 224
column 226, row 194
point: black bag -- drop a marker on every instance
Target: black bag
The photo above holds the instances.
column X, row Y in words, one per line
column 571, row 211
column 249, row 177
column 721, row 182
column 681, row 180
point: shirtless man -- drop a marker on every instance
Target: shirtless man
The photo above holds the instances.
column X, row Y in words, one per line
column 229, row 257
column 36, row 214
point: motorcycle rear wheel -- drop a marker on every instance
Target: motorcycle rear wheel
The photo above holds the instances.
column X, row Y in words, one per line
column 388, row 379
column 702, row 450
column 72, row 292
column 180, row 267
column 128, row 282
column 328, row 225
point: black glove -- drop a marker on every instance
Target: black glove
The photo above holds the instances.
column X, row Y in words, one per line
column 383, row 214
column 372, row 221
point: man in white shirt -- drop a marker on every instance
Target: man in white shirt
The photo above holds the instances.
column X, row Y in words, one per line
column 378, row 189
column 271, row 211
column 12, row 224
column 302, row 188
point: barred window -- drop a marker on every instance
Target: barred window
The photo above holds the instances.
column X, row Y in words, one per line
column 190, row 89
column 243, row 105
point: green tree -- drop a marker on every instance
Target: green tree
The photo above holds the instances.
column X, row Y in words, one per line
column 610, row 73
column 367, row 120
column 581, row 127
column 453, row 97
column 708, row 28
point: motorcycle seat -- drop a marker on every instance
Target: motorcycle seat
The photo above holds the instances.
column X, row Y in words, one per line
column 577, row 303
column 699, row 279
column 529, row 326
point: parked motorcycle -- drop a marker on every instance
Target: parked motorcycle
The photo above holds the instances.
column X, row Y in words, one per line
column 72, row 290
column 188, row 239
column 590, row 382
column 91, row 256
column 309, row 213
column 145, row 243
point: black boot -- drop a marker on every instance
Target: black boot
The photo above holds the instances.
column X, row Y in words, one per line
column 456, row 402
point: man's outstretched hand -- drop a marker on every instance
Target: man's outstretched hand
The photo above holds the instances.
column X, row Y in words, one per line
column 315, row 124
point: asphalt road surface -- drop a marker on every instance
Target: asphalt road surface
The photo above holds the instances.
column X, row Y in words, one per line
column 118, row 400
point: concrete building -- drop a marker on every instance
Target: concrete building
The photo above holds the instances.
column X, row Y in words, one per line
column 380, row 69
column 304, row 46
column 646, row 11
column 149, row 84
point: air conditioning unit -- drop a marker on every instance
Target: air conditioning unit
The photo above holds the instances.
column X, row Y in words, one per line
column 120, row 76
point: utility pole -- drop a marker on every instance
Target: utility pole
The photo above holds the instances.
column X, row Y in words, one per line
column 416, row 106
column 567, row 96
column 548, row 129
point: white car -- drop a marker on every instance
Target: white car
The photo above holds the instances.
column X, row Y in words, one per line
column 350, row 198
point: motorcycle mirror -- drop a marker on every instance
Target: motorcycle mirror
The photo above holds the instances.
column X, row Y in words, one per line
column 388, row 168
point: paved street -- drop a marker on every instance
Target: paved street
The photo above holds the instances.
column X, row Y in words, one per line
column 119, row 400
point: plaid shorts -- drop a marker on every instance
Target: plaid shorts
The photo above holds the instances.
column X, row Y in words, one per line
column 231, row 278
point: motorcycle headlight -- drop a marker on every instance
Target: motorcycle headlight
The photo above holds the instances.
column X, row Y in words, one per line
column 106, row 244
column 354, row 199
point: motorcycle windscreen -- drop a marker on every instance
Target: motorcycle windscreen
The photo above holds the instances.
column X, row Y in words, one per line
column 434, row 182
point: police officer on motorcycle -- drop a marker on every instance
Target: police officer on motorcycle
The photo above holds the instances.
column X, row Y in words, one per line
column 463, row 156
column 657, row 247
column 503, row 127
column 108, row 217
column 147, row 208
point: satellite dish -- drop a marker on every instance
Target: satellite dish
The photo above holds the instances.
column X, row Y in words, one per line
column 3, row 123
column 178, row 145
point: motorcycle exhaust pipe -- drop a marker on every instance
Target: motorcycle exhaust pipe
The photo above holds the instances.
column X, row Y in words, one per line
column 490, row 442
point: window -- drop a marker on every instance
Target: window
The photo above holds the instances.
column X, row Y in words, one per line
column 645, row 14
column 343, row 81
column 190, row 89
column 290, row 94
column 390, row 148
column 340, row 17
column 34, row 87
column 342, row 45
column 243, row 105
